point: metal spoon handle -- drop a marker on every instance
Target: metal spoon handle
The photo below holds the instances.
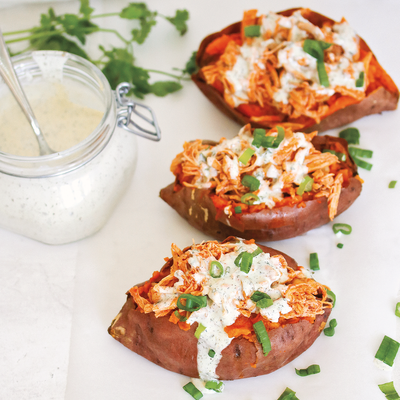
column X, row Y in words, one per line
column 10, row 78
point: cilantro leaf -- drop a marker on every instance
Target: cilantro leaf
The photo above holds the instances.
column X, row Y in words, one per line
column 191, row 66
column 140, row 35
column 75, row 26
column 117, row 71
column 85, row 9
column 179, row 21
column 60, row 43
column 162, row 88
column 135, row 11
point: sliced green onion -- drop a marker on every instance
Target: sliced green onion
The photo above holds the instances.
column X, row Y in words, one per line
column 251, row 182
column 333, row 323
column 288, row 394
column 244, row 261
column 279, row 138
column 322, row 74
column 262, row 336
column 249, row 198
column 311, row 370
column 331, row 296
column 214, row 385
column 362, row 164
column 182, row 318
column 258, row 135
column 340, row 156
column 356, row 152
column 264, row 303
column 392, row 184
column 211, row 353
column 195, row 302
column 305, row 185
column 389, row 391
column 238, row 210
column 314, row 262
column 216, row 269
column 193, row 391
column 340, row 245
column 262, row 300
column 360, row 80
column 315, row 48
column 387, row 350
column 246, row 155
column 352, row 135
column 252, row 30
column 397, row 310
column 256, row 252
column 260, row 138
column 200, row 329
column 331, row 330
column 343, row 228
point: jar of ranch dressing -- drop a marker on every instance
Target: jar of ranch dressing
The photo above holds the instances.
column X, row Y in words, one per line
column 68, row 195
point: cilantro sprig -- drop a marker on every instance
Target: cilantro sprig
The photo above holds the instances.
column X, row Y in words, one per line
column 69, row 32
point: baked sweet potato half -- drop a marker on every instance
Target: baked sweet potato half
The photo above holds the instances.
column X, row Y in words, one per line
column 294, row 68
column 241, row 188
column 224, row 311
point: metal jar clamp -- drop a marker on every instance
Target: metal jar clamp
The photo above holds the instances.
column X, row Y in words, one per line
column 129, row 116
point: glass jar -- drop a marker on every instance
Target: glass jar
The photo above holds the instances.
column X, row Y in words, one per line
column 69, row 195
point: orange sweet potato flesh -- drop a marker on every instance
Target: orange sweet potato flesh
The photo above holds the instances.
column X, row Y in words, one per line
column 382, row 93
column 197, row 207
column 165, row 344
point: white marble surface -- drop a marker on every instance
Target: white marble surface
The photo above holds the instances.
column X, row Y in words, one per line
column 56, row 302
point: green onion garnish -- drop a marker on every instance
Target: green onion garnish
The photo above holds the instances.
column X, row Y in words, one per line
column 340, row 156
column 182, row 318
column 331, row 330
column 356, row 152
column 311, row 370
column 193, row 303
column 267, row 141
column 251, row 182
column 389, row 391
column 199, row 330
column 305, row 185
column 340, row 245
column 262, row 300
column 244, row 261
column 238, row 210
column 216, row 269
column 211, row 353
column 392, row 184
column 288, row 394
column 331, row 296
column 214, row 385
column 362, row 164
column 252, row 30
column 360, row 80
column 193, row 391
column 397, row 310
column 262, row 336
column 352, row 135
column 315, row 48
column 256, row 252
column 279, row 138
column 387, row 350
column 343, row 228
column 246, row 155
column 314, row 262
column 322, row 74
column 258, row 135
column 249, row 198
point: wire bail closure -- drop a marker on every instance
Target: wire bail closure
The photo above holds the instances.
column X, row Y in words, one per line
column 128, row 117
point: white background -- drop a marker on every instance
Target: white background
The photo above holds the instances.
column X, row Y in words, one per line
column 56, row 302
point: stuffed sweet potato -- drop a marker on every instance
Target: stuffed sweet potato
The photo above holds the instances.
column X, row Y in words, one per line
column 224, row 310
column 295, row 68
column 263, row 186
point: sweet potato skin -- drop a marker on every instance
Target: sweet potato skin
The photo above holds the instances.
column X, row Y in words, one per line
column 379, row 100
column 196, row 206
column 168, row 346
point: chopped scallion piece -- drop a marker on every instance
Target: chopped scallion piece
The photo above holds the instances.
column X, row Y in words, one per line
column 244, row 261
column 340, row 245
column 256, row 252
column 193, row 391
column 362, row 164
column 211, row 353
column 352, row 135
column 252, row 30
column 238, row 210
column 311, row 370
column 200, row 329
column 246, row 155
column 340, row 156
column 314, row 262
column 356, row 152
column 279, row 138
column 331, row 330
column 315, row 48
column 182, row 318
column 331, row 296
column 214, row 385
column 397, row 310
column 389, row 391
column 322, row 74
column 262, row 336
column 343, row 228
column 249, row 198
column 193, row 303
column 251, row 182
column 305, row 185
column 288, row 394
column 216, row 269
column 392, row 184
column 258, row 135
column 387, row 350
column 360, row 80
column 262, row 300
